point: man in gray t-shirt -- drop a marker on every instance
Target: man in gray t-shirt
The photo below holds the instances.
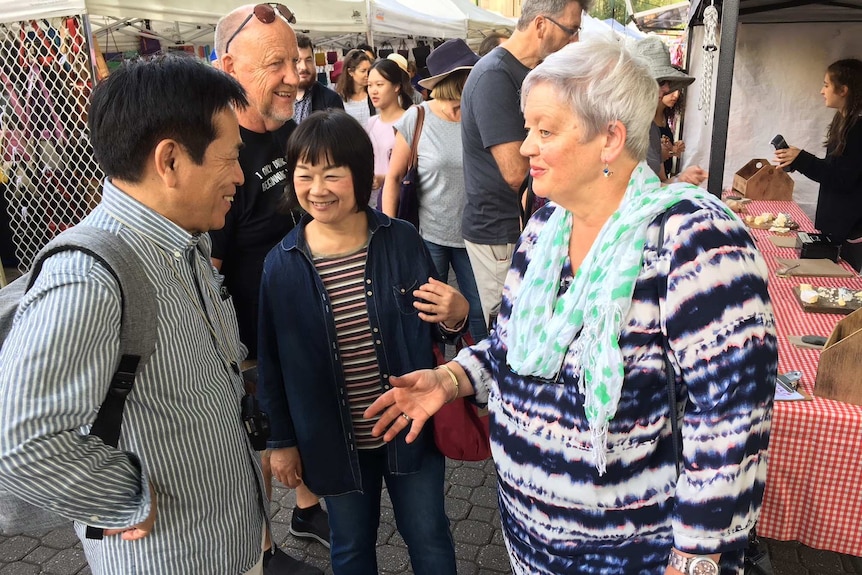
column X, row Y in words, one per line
column 492, row 130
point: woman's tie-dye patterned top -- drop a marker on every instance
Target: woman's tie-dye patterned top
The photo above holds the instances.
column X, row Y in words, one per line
column 558, row 515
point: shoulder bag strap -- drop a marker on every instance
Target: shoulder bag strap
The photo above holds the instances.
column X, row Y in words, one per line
column 138, row 330
column 668, row 365
column 414, row 147
column 526, row 199
column 757, row 560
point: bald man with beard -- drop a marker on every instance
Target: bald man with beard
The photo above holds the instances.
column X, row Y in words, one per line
column 257, row 46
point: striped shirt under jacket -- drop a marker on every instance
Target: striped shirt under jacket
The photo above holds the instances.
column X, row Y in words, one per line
column 182, row 433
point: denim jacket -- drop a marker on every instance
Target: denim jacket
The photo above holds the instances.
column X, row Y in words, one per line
column 301, row 383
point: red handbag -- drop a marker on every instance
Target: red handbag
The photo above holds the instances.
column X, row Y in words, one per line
column 461, row 431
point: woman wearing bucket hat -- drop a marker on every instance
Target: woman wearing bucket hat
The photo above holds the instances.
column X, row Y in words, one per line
column 656, row 55
column 441, row 170
column 666, row 117
column 621, row 294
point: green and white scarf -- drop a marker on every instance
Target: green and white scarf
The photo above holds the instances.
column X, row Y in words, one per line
column 542, row 327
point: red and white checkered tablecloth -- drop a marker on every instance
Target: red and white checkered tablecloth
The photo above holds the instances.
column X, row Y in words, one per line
column 814, row 480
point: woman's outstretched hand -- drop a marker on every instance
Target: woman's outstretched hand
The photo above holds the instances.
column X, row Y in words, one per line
column 418, row 395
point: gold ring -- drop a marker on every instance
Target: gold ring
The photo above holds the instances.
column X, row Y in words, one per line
column 406, row 417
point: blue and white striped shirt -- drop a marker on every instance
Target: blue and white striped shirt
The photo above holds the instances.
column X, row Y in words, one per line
column 182, row 433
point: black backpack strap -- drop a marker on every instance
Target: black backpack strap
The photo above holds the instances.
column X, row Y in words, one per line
column 109, row 420
column 110, row 417
column 137, row 324
column 668, row 365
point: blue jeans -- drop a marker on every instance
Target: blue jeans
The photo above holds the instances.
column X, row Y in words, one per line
column 443, row 256
column 418, row 503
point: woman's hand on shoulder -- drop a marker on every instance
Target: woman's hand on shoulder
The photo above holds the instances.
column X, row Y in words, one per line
column 417, row 395
column 438, row 302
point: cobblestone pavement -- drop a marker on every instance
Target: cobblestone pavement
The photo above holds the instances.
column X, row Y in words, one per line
column 471, row 503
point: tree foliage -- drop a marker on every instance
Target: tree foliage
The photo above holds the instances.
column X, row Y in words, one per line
column 617, row 9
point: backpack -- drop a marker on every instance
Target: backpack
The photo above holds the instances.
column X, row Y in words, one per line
column 137, row 343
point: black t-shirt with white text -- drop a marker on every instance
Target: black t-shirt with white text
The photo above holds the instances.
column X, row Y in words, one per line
column 255, row 223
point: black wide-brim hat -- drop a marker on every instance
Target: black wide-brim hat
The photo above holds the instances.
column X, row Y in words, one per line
column 451, row 56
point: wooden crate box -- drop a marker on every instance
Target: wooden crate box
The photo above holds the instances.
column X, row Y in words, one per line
column 760, row 180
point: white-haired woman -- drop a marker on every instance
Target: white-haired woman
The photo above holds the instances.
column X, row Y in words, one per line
column 574, row 373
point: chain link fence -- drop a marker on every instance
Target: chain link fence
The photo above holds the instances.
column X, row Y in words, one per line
column 48, row 177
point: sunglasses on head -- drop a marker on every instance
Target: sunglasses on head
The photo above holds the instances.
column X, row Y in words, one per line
column 266, row 14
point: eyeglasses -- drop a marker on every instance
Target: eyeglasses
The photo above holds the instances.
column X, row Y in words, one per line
column 572, row 32
column 266, row 14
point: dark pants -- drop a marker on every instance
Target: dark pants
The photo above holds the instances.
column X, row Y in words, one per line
column 418, row 503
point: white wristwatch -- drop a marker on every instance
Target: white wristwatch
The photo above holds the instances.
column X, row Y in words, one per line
column 697, row 565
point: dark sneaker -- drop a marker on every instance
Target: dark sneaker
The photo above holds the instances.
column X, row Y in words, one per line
column 280, row 563
column 310, row 523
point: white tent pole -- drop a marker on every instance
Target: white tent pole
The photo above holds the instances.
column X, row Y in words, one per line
column 88, row 34
column 723, row 88
column 369, row 35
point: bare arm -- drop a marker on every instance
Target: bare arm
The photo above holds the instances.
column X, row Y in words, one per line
column 216, row 263
column 397, row 170
column 419, row 395
column 694, row 175
column 512, row 165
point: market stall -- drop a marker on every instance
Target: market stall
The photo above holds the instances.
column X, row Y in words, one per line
column 760, row 76
column 815, row 448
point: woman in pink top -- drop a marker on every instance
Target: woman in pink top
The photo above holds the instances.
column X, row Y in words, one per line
column 391, row 93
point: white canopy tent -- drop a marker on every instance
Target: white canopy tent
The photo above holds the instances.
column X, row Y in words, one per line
column 371, row 18
column 17, row 11
column 476, row 22
column 593, row 27
column 46, row 71
column 193, row 21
